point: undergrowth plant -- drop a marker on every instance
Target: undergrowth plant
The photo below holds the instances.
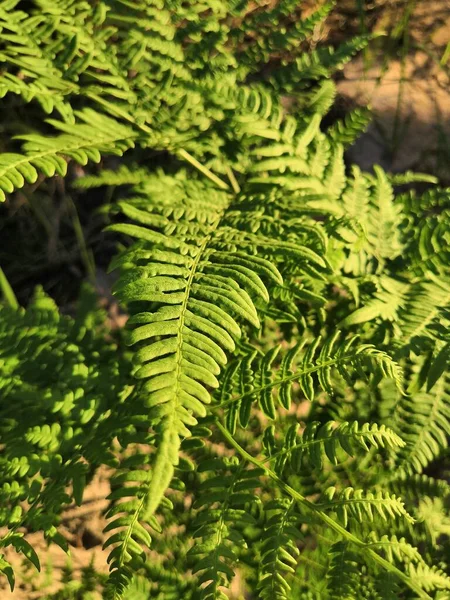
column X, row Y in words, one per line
column 276, row 415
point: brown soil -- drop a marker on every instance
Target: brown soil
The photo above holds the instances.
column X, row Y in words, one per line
column 406, row 81
column 82, row 527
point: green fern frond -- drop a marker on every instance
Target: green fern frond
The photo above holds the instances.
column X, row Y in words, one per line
column 395, row 549
column 233, row 487
column 200, row 291
column 385, row 304
column 93, row 135
column 122, row 176
column 130, row 522
column 347, row 130
column 363, row 506
column 422, row 309
column 330, row 439
column 279, row 551
column 414, row 486
column 344, row 572
column 423, row 421
column 430, row 245
column 255, row 380
column 411, row 177
column 272, row 45
column 429, row 578
column 54, row 367
column 249, row 248
column 318, row 64
column 433, row 513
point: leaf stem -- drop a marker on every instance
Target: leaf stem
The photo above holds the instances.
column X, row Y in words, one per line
column 194, row 162
column 234, row 183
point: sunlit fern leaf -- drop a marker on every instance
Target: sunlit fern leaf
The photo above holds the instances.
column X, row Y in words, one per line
column 7, row 570
column 383, row 233
column 429, row 578
column 335, row 179
column 331, row 440
column 256, row 380
column 385, row 304
column 433, row 513
column 347, row 130
column 315, row 65
column 196, row 285
column 92, row 135
column 64, row 376
column 423, row 307
column 429, row 245
column 395, row 549
column 411, row 177
column 124, row 175
column 322, row 99
column 363, row 506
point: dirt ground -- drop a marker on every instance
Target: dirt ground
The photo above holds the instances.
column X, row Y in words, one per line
column 82, row 527
column 409, row 95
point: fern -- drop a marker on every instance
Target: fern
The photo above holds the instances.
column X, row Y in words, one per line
column 219, row 529
column 330, row 439
column 279, row 552
column 424, row 425
column 276, row 410
column 252, row 376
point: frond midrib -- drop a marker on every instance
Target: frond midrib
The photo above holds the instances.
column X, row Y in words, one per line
column 257, row 390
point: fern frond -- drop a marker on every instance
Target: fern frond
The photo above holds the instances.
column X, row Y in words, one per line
column 130, row 523
column 279, row 551
column 414, row 486
column 344, row 572
column 429, row 578
column 347, row 130
column 411, row 177
column 433, row 513
column 256, row 380
column 385, row 304
column 424, row 423
column 271, row 44
column 122, row 176
column 330, row 439
column 87, row 140
column 423, row 308
column 64, row 378
column 195, row 286
column 318, row 64
column 363, row 505
column 233, row 488
column 395, row 549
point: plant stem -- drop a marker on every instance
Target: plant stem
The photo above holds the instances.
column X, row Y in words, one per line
column 233, row 181
column 287, row 489
column 194, row 162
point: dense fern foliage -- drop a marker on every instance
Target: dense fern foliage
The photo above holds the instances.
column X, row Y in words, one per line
column 276, row 415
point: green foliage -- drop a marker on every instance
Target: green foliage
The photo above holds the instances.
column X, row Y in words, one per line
column 277, row 411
